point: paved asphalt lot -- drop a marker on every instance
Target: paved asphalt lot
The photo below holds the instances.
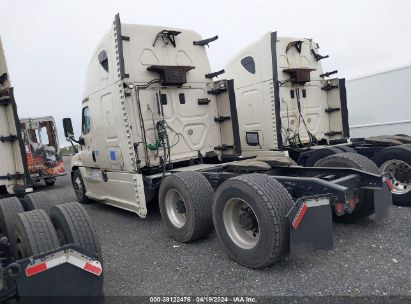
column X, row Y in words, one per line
column 141, row 259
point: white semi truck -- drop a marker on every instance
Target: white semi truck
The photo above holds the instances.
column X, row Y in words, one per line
column 287, row 102
column 45, row 250
column 155, row 124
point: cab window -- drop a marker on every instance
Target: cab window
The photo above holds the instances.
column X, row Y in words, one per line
column 86, row 120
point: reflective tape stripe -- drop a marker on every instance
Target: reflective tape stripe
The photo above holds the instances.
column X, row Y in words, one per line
column 388, row 182
column 304, row 207
column 35, row 269
column 93, row 269
column 58, row 260
column 299, row 216
column 75, row 261
column 70, row 256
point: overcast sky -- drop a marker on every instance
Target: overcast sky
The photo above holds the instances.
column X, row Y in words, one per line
column 48, row 43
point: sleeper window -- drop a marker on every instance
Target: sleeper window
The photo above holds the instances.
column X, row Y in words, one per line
column 103, row 59
column 248, row 64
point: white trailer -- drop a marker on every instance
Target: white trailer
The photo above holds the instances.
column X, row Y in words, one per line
column 380, row 103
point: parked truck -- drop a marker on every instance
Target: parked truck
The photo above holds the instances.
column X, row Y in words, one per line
column 42, row 149
column 287, row 102
column 45, row 250
column 156, row 125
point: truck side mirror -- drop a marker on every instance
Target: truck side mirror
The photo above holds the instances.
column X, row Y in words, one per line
column 68, row 128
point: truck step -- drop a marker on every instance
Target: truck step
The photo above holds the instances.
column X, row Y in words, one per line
column 203, row 101
column 217, row 91
column 331, row 110
column 5, row 98
column 3, row 78
column 223, row 147
column 329, row 87
column 9, row 138
column 221, row 119
column 215, row 74
column 332, row 133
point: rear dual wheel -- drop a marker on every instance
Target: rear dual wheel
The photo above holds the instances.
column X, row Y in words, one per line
column 34, row 232
column 396, row 162
column 73, row 226
column 365, row 205
column 320, row 154
column 37, row 200
column 185, row 200
column 9, row 210
column 249, row 214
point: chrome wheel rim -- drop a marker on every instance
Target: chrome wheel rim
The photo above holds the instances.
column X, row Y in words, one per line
column 399, row 174
column 175, row 208
column 241, row 223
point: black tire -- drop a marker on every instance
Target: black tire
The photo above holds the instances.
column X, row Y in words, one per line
column 37, row 200
column 320, row 154
column 34, row 234
column 270, row 202
column 402, row 153
column 346, row 149
column 195, row 195
column 9, row 208
column 79, row 187
column 365, row 205
column 50, row 181
column 73, row 226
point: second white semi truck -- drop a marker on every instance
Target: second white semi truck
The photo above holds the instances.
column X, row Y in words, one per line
column 287, row 102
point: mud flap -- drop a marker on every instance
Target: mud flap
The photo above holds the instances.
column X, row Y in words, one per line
column 311, row 225
column 59, row 276
column 382, row 202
